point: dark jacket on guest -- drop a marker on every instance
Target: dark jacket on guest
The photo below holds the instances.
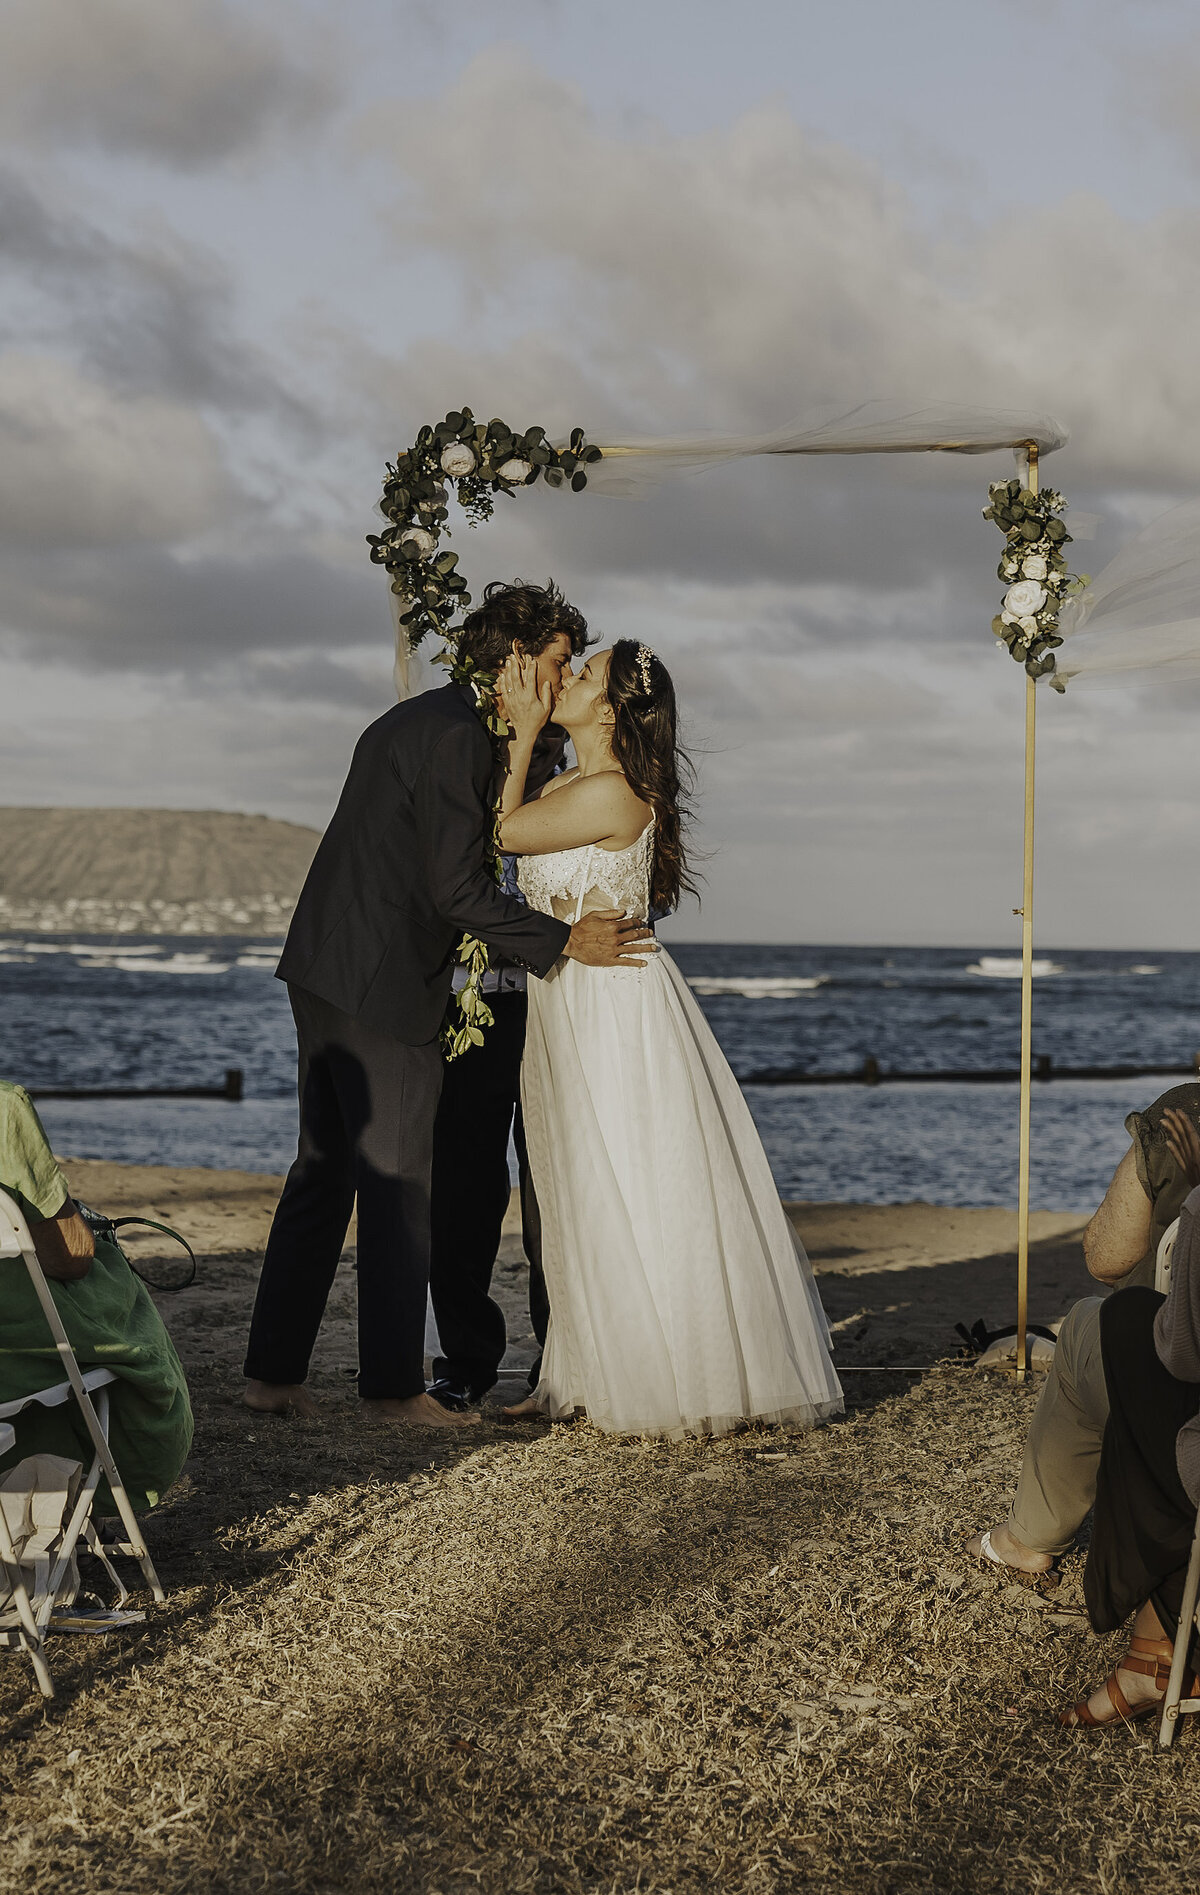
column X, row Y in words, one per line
column 401, row 873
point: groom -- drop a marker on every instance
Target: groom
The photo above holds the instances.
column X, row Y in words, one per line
column 400, row 875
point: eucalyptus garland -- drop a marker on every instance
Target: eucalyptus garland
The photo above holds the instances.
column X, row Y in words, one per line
column 1034, row 563
column 478, row 462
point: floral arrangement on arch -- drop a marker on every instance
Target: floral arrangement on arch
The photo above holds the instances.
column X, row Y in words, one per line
column 478, row 462
column 1035, row 566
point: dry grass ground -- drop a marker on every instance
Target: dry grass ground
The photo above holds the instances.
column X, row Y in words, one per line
column 543, row 1660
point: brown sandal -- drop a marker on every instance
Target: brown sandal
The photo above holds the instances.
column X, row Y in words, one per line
column 1151, row 1658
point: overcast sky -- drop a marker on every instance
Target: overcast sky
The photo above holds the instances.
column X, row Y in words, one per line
column 252, row 245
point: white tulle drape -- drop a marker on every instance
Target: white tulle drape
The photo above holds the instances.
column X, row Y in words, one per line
column 1142, row 612
column 874, row 427
column 413, row 671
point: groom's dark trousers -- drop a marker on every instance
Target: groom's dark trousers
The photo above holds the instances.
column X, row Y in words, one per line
column 479, row 1107
column 367, row 1107
column 400, row 874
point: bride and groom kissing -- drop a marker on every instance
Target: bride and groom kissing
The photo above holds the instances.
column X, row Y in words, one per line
column 679, row 1299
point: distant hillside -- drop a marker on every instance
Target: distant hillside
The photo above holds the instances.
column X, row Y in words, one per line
column 150, row 870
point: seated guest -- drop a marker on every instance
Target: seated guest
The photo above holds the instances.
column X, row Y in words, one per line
column 1148, row 1488
column 1057, row 1483
column 109, row 1318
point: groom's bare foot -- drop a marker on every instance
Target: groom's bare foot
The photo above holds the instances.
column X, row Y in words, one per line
column 1008, row 1550
column 420, row 1411
column 280, row 1398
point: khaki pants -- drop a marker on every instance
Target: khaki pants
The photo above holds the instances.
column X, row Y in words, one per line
column 1057, row 1483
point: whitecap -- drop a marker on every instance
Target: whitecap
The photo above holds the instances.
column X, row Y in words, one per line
column 1001, row 967
column 755, row 986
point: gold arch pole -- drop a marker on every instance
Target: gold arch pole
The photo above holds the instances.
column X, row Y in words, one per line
column 1026, row 912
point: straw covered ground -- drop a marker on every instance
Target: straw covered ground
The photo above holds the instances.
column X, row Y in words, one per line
column 541, row 1660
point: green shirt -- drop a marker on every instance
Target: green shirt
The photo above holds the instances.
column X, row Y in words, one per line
column 29, row 1171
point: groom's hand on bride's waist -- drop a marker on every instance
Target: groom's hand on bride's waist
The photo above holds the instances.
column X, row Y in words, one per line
column 610, row 939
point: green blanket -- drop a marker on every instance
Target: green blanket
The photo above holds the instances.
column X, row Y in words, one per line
column 112, row 1323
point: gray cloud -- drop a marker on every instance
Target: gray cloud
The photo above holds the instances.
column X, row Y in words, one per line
column 82, row 467
column 735, row 277
column 184, row 83
column 155, row 608
column 152, row 315
column 1156, row 97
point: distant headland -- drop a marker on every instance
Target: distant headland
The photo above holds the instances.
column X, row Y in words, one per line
column 149, row 871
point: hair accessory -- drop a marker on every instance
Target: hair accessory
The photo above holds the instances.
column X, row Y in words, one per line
column 644, row 655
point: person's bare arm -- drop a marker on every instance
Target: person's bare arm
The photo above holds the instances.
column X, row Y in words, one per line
column 1119, row 1234
column 600, row 809
column 64, row 1243
column 608, row 939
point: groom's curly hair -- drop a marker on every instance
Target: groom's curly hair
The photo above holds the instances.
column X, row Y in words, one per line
column 645, row 742
column 518, row 614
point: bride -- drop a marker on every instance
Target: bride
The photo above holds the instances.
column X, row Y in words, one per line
column 681, row 1301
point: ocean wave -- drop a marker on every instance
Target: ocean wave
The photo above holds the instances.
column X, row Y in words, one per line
column 1002, row 967
column 757, row 986
column 1008, row 967
column 173, row 964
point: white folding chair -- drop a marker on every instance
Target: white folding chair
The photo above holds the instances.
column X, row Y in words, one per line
column 18, row 1623
column 1163, row 1256
column 1175, row 1705
column 16, row 1242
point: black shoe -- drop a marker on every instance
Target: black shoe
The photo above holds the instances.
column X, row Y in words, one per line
column 456, row 1397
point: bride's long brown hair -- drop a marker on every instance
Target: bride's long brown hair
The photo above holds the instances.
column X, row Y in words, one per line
column 645, row 742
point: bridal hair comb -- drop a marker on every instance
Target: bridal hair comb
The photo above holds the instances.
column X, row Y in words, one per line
column 644, row 655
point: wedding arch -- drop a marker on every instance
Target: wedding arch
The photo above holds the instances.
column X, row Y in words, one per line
column 1142, row 611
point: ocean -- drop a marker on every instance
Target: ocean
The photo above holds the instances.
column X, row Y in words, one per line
column 154, row 1011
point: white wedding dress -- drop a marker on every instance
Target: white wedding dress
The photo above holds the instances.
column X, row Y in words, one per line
column 681, row 1301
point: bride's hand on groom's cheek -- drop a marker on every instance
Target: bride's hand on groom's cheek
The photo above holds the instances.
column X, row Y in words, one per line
column 524, row 704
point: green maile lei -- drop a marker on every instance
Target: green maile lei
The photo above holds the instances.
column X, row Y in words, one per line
column 475, row 462
column 1034, row 566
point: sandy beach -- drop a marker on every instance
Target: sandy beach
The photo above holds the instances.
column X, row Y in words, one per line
column 895, row 1279
column 538, row 1660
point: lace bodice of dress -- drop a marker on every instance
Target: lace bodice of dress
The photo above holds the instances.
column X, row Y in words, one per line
column 583, row 880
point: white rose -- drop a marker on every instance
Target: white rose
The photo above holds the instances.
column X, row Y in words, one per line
column 1034, row 567
column 425, row 542
column 1028, row 627
column 515, row 470
column 1025, row 598
column 1011, row 569
column 458, row 459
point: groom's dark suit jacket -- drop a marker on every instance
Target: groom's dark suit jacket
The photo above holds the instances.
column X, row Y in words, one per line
column 401, row 874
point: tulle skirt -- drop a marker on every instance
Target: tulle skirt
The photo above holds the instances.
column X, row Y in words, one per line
column 681, row 1300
